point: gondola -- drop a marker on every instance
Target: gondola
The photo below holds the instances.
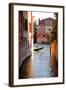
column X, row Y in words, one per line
column 37, row 49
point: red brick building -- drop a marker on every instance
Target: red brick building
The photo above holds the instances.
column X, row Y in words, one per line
column 44, row 30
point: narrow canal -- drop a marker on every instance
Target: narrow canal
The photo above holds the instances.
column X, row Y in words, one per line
column 39, row 65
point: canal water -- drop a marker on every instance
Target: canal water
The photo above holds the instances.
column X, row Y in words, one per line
column 38, row 65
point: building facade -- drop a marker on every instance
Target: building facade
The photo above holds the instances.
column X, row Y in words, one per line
column 45, row 27
column 25, row 35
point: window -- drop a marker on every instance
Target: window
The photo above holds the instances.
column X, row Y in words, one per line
column 43, row 35
column 25, row 24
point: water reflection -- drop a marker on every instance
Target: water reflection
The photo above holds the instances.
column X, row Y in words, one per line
column 42, row 65
column 54, row 67
column 26, row 70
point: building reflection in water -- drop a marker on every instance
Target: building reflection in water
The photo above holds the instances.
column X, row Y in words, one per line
column 26, row 70
column 54, row 65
